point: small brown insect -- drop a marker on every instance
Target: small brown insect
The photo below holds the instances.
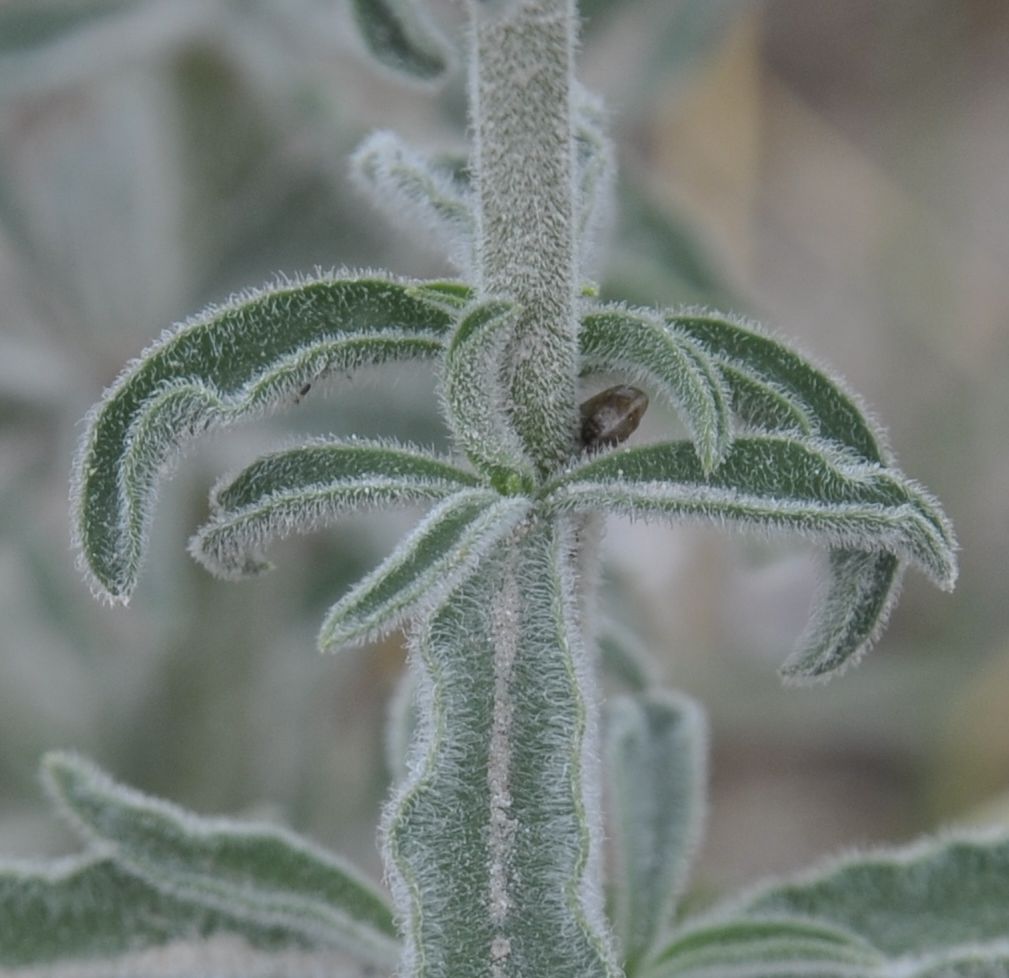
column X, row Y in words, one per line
column 610, row 417
column 305, row 388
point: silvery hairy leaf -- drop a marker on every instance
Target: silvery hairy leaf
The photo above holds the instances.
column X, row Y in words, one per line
column 253, row 354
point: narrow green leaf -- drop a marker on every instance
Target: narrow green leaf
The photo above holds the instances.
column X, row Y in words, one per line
column 251, row 355
column 308, row 487
column 263, row 876
column 771, row 483
column 87, row 908
column 653, row 354
column 764, row 406
column 938, row 909
column 656, row 745
column 401, row 36
column 848, row 614
column 785, row 381
column 436, row 557
column 775, row 389
column 451, row 296
column 405, row 184
column 475, row 396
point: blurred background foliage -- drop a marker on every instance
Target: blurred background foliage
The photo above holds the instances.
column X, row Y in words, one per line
column 836, row 170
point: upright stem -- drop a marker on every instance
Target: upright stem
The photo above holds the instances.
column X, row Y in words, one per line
column 521, row 80
column 492, row 842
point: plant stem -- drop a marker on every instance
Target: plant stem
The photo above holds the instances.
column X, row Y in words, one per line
column 493, row 842
column 520, row 101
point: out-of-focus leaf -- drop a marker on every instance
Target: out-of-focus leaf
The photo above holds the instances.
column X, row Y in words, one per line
column 938, row 909
column 623, row 657
column 263, row 876
column 91, row 907
column 656, row 745
column 405, row 184
column 660, row 258
column 49, row 44
column 401, row 36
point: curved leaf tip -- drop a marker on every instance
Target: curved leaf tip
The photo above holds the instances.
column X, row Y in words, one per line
column 249, row 356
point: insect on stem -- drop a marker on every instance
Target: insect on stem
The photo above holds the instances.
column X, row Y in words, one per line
column 611, row 416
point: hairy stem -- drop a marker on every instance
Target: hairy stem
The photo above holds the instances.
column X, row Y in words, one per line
column 521, row 85
column 492, row 843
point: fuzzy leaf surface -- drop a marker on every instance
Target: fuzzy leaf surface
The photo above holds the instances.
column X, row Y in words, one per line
column 475, row 395
column 772, row 384
column 656, row 747
column 773, row 484
column 401, row 36
column 264, row 876
column 443, row 550
column 231, row 362
column 655, row 355
column 308, row 487
column 939, row 908
column 849, row 611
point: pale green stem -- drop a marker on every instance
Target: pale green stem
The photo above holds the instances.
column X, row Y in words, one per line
column 493, row 841
column 521, row 82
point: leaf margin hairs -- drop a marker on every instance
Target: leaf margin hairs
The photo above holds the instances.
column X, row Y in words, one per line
column 155, row 852
column 671, row 364
column 474, row 398
column 493, row 516
column 242, row 528
column 110, row 530
column 929, row 548
column 402, row 182
column 756, row 906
